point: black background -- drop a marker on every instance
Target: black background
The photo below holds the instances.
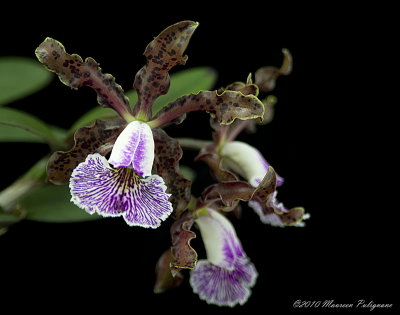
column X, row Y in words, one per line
column 330, row 140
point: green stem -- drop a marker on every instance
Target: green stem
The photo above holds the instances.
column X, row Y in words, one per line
column 32, row 179
column 10, row 196
column 193, row 144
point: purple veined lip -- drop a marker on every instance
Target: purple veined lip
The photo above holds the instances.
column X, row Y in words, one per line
column 247, row 161
column 227, row 275
column 134, row 148
column 99, row 188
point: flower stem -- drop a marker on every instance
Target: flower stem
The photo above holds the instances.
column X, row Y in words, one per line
column 193, row 144
column 33, row 178
column 234, row 132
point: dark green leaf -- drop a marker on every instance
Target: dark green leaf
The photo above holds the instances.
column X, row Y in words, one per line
column 91, row 116
column 59, row 133
column 187, row 172
column 51, row 203
column 28, row 123
column 6, row 219
column 37, row 171
column 132, row 96
column 20, row 77
column 14, row 134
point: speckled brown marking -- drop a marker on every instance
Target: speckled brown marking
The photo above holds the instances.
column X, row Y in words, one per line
column 166, row 164
column 219, row 105
column 263, row 194
column 267, row 186
column 163, row 53
column 98, row 137
column 183, row 255
column 245, row 89
column 75, row 73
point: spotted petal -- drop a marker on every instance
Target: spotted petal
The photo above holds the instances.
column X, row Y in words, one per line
column 224, row 107
column 134, row 147
column 166, row 164
column 97, row 138
column 162, row 54
column 76, row 73
column 98, row 187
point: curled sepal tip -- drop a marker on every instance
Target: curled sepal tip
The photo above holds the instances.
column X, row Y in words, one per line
column 265, row 77
column 76, row 73
column 270, row 210
column 183, row 254
column 164, row 278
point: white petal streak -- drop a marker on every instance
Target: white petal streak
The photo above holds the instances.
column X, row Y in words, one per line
column 134, row 148
column 247, row 161
column 220, row 240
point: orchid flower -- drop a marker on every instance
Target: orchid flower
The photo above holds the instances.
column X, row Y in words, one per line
column 227, row 275
column 228, row 159
column 128, row 166
column 124, row 185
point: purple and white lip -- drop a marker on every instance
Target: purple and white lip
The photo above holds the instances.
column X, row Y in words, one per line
column 227, row 275
column 247, row 161
column 123, row 186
